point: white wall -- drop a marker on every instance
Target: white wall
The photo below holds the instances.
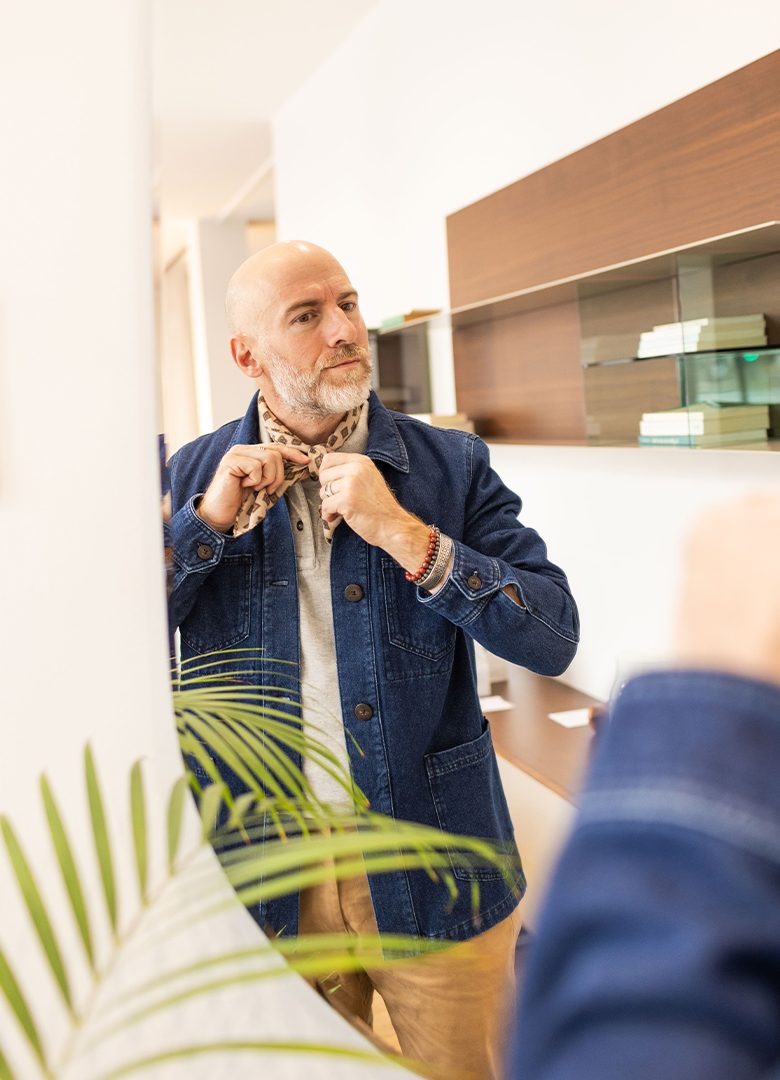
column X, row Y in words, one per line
column 83, row 644
column 217, row 249
column 616, row 519
column 428, row 107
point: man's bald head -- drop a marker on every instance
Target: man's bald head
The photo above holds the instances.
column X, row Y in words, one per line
column 260, row 279
column 297, row 331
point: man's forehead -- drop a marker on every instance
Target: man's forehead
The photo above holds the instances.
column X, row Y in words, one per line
column 268, row 283
column 298, row 284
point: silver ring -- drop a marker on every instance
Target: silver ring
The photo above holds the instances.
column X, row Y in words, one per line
column 328, row 491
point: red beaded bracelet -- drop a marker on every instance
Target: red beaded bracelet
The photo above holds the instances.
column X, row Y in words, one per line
column 434, row 539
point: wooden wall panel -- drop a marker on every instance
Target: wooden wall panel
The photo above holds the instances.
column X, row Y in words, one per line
column 751, row 286
column 705, row 165
column 521, row 377
column 618, row 394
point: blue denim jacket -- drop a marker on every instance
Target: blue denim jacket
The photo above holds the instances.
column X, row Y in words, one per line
column 658, row 953
column 425, row 749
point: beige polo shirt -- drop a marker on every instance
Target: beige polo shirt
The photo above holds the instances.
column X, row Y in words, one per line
column 320, row 699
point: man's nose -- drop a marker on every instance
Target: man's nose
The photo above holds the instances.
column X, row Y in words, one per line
column 339, row 328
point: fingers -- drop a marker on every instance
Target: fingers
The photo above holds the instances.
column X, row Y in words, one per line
column 335, row 465
column 288, row 452
column 259, row 450
column 251, row 472
column 243, row 468
column 261, row 471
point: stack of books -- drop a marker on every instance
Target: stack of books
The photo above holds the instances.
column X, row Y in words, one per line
column 446, row 420
column 705, row 426
column 703, row 335
column 394, row 321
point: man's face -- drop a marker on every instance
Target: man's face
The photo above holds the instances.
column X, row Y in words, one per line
column 312, row 339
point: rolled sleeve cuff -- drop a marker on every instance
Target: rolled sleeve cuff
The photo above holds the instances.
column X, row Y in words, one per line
column 472, row 581
column 196, row 545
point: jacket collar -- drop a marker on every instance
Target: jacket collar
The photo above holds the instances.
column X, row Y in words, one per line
column 384, row 439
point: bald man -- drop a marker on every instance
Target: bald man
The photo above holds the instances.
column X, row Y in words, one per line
column 365, row 551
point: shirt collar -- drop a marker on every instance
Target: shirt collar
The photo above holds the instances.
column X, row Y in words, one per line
column 384, row 439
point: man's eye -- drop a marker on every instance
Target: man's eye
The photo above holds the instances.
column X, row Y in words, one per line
column 307, row 316
column 349, row 305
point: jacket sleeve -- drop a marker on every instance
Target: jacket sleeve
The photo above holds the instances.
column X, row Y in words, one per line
column 658, row 953
column 496, row 550
column 196, row 550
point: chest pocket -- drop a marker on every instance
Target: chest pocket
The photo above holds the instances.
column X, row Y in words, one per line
column 417, row 642
column 221, row 614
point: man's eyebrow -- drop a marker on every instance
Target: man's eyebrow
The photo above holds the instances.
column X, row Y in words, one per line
column 316, row 303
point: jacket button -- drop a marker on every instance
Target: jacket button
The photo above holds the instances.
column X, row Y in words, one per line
column 299, row 525
column 205, row 551
column 474, row 581
column 353, row 593
column 363, row 711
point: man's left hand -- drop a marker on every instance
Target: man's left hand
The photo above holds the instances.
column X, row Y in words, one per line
column 351, row 486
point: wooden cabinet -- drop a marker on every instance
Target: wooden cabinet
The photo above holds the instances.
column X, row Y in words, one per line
column 522, row 259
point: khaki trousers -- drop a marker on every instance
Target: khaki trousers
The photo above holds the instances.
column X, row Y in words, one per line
column 449, row 1010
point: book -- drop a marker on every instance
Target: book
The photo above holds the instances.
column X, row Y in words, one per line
column 446, row 420
column 716, row 321
column 662, row 347
column 695, row 424
column 392, row 322
column 726, row 439
column 703, row 335
column 603, row 347
column 690, row 337
column 706, row 410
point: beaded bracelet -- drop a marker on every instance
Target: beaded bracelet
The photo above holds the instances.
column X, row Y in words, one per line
column 440, row 564
column 434, row 540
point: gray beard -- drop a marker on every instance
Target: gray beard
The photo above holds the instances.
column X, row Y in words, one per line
column 310, row 394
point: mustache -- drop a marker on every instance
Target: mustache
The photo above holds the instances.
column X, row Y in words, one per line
column 345, row 353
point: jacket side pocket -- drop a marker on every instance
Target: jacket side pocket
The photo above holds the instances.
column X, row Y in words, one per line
column 469, row 799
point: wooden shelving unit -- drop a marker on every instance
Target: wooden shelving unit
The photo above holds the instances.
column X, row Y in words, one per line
column 526, row 737
column 703, row 167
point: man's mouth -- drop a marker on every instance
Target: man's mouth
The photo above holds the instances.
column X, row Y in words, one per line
column 346, row 362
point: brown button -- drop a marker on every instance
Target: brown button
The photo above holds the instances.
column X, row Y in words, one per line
column 363, row 711
column 299, row 526
column 475, row 581
column 205, row 551
column 353, row 593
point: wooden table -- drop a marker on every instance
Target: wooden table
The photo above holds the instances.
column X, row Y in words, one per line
column 525, row 736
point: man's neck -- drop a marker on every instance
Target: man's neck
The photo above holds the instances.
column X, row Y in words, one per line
column 310, row 429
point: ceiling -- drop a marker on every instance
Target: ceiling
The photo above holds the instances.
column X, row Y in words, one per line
column 220, row 72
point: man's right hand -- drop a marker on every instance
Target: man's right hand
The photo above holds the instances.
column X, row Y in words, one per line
column 729, row 615
column 258, row 466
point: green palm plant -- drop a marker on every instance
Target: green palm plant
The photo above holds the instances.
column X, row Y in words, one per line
column 274, row 839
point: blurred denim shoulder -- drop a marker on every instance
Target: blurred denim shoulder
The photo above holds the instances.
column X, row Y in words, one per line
column 658, row 954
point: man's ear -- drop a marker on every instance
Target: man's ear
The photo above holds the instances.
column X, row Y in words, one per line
column 245, row 358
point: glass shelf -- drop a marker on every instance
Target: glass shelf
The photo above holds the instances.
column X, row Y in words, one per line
column 723, row 293
column 722, row 277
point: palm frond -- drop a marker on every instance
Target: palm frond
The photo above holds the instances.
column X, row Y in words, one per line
column 314, row 956
column 275, row 838
column 175, row 818
column 5, row 1069
column 68, row 870
column 12, row 992
column 138, row 819
column 101, row 838
column 316, row 950
column 36, row 909
column 182, row 1053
